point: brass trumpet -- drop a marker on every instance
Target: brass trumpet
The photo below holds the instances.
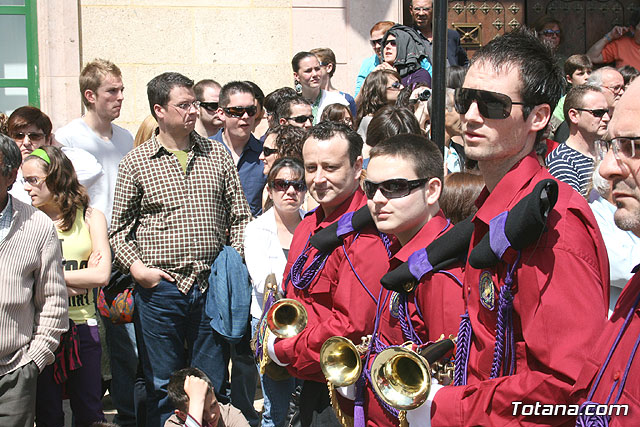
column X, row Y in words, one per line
column 286, row 318
column 402, row 378
column 340, row 361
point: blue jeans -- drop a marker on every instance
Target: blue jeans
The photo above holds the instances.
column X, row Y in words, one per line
column 276, row 394
column 165, row 320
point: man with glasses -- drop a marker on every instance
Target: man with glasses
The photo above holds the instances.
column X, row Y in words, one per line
column 587, row 112
column 237, row 111
column 531, row 315
column 295, row 111
column 208, row 93
column 610, row 374
column 611, row 82
column 176, row 197
column 422, row 14
column 376, row 34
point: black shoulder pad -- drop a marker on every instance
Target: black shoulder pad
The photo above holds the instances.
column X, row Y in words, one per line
column 329, row 238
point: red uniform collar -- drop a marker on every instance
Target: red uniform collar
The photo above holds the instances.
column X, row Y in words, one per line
column 423, row 238
column 351, row 204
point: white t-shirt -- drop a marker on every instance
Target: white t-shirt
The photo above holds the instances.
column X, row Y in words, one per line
column 108, row 152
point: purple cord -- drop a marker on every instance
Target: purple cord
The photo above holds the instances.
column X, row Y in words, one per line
column 462, row 350
column 505, row 345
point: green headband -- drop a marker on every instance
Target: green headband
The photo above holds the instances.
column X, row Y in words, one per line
column 39, row 152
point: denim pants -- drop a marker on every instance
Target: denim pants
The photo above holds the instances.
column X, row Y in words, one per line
column 165, row 321
column 83, row 386
column 276, row 395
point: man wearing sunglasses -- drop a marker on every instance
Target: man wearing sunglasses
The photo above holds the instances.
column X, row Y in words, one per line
column 237, row 111
column 551, row 298
column 208, row 93
column 587, row 113
column 368, row 65
column 295, row 111
column 611, row 372
column 177, row 196
column 339, row 288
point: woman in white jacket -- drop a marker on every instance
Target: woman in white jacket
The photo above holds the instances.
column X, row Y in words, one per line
column 266, row 247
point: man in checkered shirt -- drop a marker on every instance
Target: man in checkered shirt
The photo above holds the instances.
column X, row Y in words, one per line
column 176, row 197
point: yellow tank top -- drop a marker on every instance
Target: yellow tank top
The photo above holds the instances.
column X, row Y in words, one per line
column 76, row 248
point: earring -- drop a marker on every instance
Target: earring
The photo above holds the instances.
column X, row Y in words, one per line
column 297, row 86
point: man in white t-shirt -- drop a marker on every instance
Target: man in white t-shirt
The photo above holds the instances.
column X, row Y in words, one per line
column 102, row 95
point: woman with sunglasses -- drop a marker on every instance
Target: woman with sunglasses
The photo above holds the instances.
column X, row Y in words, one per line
column 403, row 49
column 267, row 241
column 380, row 88
column 307, row 75
column 30, row 128
column 52, row 185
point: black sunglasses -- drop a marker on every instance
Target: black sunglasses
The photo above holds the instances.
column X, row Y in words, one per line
column 375, row 42
column 492, row 105
column 268, row 151
column 301, row 119
column 209, row 106
column 393, row 188
column 239, row 111
column 33, row 136
column 598, row 112
column 284, row 184
column 392, row 42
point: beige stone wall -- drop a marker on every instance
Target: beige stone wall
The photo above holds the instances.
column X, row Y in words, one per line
column 220, row 39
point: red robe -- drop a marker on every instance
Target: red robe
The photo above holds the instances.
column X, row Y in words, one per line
column 560, row 307
column 619, row 359
column 439, row 299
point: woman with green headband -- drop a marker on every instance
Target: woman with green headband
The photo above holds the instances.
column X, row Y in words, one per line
column 52, row 184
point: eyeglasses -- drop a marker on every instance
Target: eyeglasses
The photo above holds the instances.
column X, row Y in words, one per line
column 284, row 184
column 391, row 42
column 301, row 119
column 209, row 106
column 239, row 111
column 375, row 42
column 268, row 151
column 598, row 112
column 492, row 105
column 33, row 180
column 422, row 9
column 33, row 136
column 549, row 33
column 615, row 89
column 185, row 106
column 393, row 188
column 395, row 86
column 623, row 147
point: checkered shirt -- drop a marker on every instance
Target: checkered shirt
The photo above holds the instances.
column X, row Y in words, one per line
column 5, row 219
column 177, row 221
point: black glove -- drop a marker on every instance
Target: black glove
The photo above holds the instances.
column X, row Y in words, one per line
column 330, row 237
column 524, row 225
column 441, row 253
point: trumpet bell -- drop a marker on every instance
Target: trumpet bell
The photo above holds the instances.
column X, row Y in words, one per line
column 340, row 361
column 286, row 318
column 401, row 378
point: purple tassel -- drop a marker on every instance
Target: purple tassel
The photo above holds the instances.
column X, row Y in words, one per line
column 462, row 350
column 591, row 420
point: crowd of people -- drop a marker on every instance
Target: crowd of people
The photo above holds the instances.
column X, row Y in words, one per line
column 153, row 266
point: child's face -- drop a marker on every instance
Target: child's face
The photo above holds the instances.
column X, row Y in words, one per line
column 579, row 77
column 211, row 413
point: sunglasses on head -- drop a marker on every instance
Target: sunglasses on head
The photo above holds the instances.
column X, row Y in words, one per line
column 284, row 184
column 375, row 42
column 209, row 106
column 551, row 33
column 239, row 111
column 492, row 105
column 597, row 112
column 393, row 188
column 268, row 151
column 301, row 119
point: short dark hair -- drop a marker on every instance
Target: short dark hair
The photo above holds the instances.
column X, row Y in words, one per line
column 575, row 96
column 295, row 62
column 272, row 100
column 232, row 88
column 284, row 108
column 629, row 73
column 10, row 155
column 324, row 131
column 575, row 63
column 455, row 76
column 175, row 388
column 202, row 85
column 294, row 164
column 27, row 115
column 258, row 94
column 541, row 79
column 421, row 152
column 159, row 87
column 389, row 121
